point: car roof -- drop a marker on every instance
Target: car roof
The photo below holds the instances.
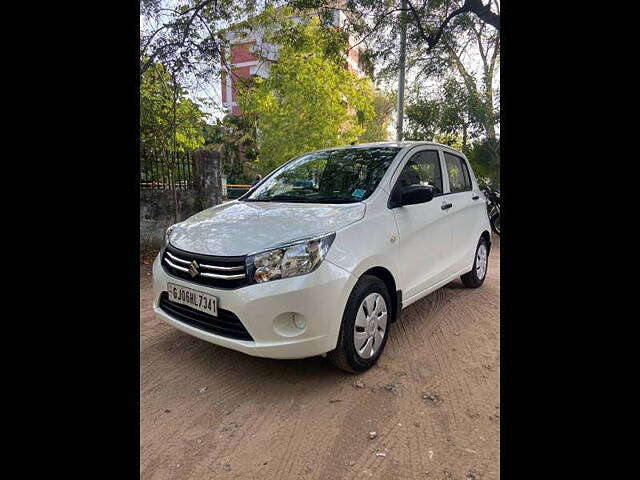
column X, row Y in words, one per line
column 402, row 144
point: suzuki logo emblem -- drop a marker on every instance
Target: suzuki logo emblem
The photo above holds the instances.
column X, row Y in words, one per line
column 193, row 269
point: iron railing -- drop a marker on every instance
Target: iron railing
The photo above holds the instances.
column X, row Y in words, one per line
column 166, row 171
column 235, row 190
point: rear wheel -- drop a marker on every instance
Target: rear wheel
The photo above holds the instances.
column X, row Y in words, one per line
column 365, row 326
column 478, row 273
column 495, row 223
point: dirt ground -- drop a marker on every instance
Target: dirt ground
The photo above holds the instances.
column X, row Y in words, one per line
column 433, row 400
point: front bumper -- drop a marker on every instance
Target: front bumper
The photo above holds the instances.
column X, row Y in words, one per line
column 266, row 311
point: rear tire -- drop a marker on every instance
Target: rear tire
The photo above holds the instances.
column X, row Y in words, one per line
column 361, row 344
column 478, row 273
column 495, row 223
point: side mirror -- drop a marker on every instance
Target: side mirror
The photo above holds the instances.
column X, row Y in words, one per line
column 413, row 195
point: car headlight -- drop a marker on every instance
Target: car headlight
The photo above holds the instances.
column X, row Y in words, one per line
column 295, row 258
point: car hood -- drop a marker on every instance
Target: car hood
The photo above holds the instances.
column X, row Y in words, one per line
column 241, row 228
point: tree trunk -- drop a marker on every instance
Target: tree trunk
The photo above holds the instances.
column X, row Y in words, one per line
column 472, row 88
column 489, row 125
column 464, row 138
column 488, row 98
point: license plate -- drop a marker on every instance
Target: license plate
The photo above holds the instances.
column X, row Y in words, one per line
column 192, row 298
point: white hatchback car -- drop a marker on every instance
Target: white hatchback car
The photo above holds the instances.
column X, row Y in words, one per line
column 321, row 255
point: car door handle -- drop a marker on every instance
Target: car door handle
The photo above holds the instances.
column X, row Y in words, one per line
column 446, row 206
column 475, row 197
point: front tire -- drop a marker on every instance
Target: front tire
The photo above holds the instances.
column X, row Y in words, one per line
column 365, row 326
column 478, row 273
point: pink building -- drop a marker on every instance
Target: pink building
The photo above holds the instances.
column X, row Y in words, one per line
column 243, row 63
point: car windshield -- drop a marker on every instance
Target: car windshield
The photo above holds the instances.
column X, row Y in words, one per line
column 331, row 176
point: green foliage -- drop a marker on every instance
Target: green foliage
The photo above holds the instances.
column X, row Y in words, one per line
column 157, row 121
column 302, row 32
column 234, row 138
column 485, row 159
column 445, row 113
column 453, row 116
column 376, row 129
column 452, row 112
column 309, row 101
column 423, row 119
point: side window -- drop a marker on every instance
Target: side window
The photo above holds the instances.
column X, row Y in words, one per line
column 459, row 179
column 423, row 168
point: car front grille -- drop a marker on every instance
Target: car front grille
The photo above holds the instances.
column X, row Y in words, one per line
column 226, row 324
column 218, row 272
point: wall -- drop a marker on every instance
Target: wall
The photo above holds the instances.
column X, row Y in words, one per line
column 156, row 214
column 157, row 206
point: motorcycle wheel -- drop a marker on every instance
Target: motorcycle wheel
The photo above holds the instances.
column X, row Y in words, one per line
column 495, row 223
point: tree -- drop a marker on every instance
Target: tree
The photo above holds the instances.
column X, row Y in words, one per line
column 185, row 36
column 309, row 101
column 453, row 9
column 156, row 115
column 448, row 112
column 184, row 32
column 480, row 85
column 463, row 111
column 187, row 29
column 376, row 129
column 170, row 123
column 234, row 137
column 484, row 163
column 428, row 23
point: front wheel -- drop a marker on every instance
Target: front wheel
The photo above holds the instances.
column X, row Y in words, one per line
column 365, row 326
column 478, row 273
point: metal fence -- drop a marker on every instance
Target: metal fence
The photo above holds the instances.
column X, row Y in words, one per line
column 164, row 171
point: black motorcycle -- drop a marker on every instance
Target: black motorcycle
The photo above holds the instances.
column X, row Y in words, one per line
column 493, row 206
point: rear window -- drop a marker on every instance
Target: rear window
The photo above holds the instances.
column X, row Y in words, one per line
column 459, row 178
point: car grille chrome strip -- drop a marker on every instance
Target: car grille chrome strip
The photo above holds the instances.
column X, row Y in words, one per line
column 222, row 269
column 182, row 269
column 205, row 274
column 213, row 271
column 223, row 277
column 173, row 257
column 204, row 265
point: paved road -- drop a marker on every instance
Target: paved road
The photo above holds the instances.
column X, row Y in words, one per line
column 432, row 399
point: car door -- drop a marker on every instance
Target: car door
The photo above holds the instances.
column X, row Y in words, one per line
column 425, row 234
column 465, row 212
